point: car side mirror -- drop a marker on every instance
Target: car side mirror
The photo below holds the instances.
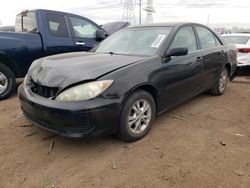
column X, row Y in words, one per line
column 100, row 35
column 177, row 52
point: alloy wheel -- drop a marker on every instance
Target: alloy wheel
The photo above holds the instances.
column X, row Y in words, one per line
column 139, row 116
column 3, row 82
column 223, row 81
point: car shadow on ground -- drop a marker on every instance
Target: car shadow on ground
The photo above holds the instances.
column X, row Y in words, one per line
column 63, row 142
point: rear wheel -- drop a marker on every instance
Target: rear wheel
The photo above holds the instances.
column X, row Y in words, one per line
column 137, row 116
column 7, row 82
column 221, row 83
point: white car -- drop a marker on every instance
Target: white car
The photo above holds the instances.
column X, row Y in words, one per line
column 242, row 42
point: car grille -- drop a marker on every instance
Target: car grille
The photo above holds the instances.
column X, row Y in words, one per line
column 44, row 91
column 85, row 127
column 80, row 129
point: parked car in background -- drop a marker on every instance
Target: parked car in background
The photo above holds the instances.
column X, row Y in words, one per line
column 131, row 76
column 7, row 29
column 113, row 27
column 41, row 33
column 222, row 30
column 242, row 42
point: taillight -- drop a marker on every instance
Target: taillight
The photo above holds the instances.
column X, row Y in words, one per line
column 243, row 50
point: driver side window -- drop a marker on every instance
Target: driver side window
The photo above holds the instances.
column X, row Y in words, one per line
column 82, row 28
column 185, row 38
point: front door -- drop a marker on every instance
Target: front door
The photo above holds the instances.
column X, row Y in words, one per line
column 83, row 33
column 57, row 38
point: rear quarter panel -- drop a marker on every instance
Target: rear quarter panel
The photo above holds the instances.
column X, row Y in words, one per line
column 231, row 56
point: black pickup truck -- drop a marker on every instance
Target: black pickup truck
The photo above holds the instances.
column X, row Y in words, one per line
column 40, row 33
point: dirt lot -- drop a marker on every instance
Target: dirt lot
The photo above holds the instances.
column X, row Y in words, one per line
column 202, row 143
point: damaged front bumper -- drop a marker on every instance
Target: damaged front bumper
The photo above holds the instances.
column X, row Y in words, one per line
column 96, row 117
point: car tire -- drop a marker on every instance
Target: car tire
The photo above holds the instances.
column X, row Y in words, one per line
column 221, row 83
column 7, row 82
column 137, row 116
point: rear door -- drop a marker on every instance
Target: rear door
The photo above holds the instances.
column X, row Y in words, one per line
column 83, row 33
column 181, row 75
column 212, row 53
column 57, row 38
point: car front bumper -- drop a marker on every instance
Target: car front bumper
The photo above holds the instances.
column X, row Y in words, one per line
column 96, row 117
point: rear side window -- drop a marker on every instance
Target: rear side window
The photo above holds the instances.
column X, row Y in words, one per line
column 218, row 43
column 206, row 37
column 26, row 22
column 57, row 25
column 82, row 28
column 185, row 38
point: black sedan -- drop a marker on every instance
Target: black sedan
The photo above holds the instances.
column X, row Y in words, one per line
column 121, row 86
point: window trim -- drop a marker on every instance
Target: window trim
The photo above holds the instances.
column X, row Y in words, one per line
column 217, row 39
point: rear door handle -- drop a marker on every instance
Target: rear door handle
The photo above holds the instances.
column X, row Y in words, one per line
column 199, row 59
column 80, row 43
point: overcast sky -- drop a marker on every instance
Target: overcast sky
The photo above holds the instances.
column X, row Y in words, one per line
column 228, row 12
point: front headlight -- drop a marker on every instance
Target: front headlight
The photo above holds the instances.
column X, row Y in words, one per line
column 84, row 91
column 25, row 84
column 25, row 80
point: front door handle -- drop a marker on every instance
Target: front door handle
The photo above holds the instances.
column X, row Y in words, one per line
column 199, row 59
column 80, row 43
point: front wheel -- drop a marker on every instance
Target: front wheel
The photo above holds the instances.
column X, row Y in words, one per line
column 7, row 82
column 137, row 116
column 221, row 83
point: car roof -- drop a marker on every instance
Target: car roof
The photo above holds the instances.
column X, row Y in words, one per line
column 237, row 34
column 53, row 11
column 58, row 12
column 44, row 10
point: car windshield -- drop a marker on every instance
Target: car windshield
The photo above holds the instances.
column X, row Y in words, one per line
column 236, row 39
column 135, row 41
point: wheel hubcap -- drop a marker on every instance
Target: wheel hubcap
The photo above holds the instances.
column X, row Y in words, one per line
column 139, row 116
column 223, row 81
column 3, row 82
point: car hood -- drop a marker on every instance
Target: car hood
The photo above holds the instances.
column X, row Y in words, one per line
column 70, row 68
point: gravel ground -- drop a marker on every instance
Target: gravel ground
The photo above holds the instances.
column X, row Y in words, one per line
column 201, row 143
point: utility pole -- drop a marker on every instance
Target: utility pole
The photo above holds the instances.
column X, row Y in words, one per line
column 139, row 12
column 150, row 10
column 208, row 17
column 128, row 11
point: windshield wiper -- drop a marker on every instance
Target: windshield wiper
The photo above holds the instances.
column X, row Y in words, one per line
column 112, row 53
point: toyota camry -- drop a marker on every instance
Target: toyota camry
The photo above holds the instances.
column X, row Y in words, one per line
column 121, row 85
